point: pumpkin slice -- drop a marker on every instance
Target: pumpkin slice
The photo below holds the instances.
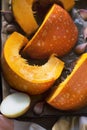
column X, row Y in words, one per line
column 24, row 15
column 72, row 92
column 15, row 105
column 57, row 34
column 68, row 4
column 24, row 77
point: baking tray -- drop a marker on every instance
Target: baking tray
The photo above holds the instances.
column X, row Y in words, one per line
column 48, row 111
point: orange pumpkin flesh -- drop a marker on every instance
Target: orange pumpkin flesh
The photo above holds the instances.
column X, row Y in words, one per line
column 24, row 77
column 68, row 4
column 72, row 92
column 57, row 34
column 24, row 15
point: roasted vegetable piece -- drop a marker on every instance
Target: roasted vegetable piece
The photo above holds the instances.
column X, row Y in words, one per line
column 71, row 94
column 15, row 105
column 68, row 4
column 57, row 34
column 24, row 77
column 24, row 15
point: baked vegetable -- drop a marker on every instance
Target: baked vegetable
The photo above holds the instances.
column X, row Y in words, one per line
column 68, row 4
column 71, row 94
column 24, row 15
column 57, row 34
column 15, row 105
column 22, row 76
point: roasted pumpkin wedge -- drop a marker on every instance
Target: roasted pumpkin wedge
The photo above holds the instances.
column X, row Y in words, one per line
column 57, row 34
column 71, row 94
column 22, row 11
column 68, row 4
column 22, row 76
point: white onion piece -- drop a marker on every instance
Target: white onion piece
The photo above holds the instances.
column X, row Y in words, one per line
column 15, row 105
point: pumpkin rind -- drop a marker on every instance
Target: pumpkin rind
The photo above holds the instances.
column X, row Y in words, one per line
column 24, row 77
column 57, row 34
column 72, row 92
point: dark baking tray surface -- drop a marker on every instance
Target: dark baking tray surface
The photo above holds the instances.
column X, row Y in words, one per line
column 48, row 111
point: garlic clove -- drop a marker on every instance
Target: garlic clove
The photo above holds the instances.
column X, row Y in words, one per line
column 85, row 33
column 11, row 28
column 81, row 48
column 83, row 13
column 38, row 108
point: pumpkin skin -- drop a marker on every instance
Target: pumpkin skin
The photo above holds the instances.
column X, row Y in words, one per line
column 22, row 76
column 71, row 94
column 22, row 11
column 57, row 34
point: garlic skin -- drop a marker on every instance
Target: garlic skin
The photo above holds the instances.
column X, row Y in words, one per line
column 83, row 13
column 81, row 48
column 38, row 108
column 10, row 28
column 85, row 33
